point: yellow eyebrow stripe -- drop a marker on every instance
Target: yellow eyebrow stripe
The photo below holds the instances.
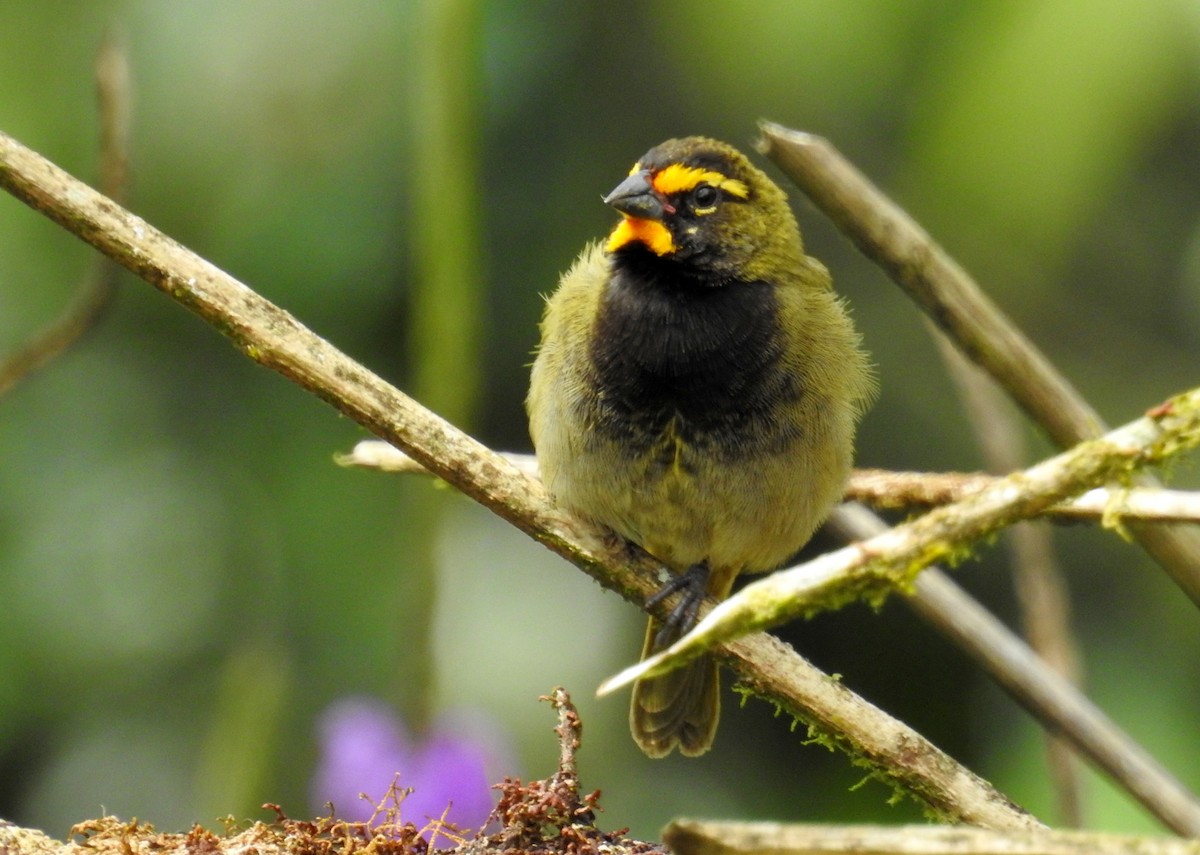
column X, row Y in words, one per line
column 678, row 178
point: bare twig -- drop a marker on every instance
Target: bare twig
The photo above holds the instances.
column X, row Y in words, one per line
column 99, row 287
column 374, row 454
column 570, row 738
column 569, row 730
column 1041, row 589
column 274, row 338
column 694, row 837
column 955, row 302
column 885, row 489
column 552, row 815
column 1046, row 618
column 1069, row 716
column 947, row 293
column 914, row 490
column 114, row 94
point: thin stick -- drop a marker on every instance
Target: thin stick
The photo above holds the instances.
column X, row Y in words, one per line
column 274, row 338
column 1033, row 684
column 1083, row 724
column 695, row 837
column 953, row 300
column 565, row 781
column 1044, row 600
column 916, row 490
column 569, row 731
column 99, row 287
column 882, row 488
column 1041, row 589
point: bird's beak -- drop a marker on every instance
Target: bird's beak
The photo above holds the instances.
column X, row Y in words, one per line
column 643, row 208
column 636, row 197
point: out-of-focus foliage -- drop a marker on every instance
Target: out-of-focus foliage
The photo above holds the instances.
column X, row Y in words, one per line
column 186, row 579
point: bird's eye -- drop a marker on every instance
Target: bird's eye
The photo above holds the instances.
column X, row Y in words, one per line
column 705, row 196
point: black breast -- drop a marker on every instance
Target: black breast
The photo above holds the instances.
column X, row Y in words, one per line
column 703, row 359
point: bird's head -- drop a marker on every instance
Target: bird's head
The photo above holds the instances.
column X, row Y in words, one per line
column 700, row 204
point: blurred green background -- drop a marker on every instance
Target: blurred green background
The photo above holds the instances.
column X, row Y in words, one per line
column 187, row 580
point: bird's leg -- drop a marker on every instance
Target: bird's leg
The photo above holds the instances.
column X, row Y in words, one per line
column 694, row 584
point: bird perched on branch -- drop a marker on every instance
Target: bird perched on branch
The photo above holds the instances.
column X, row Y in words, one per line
column 696, row 390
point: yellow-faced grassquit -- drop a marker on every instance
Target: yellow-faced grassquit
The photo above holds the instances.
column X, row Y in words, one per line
column 696, row 391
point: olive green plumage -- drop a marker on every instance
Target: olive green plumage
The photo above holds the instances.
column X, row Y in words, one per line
column 696, row 390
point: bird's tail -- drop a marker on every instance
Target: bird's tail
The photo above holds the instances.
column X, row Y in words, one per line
column 680, row 709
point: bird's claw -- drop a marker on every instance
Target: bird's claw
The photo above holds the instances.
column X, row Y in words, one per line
column 694, row 584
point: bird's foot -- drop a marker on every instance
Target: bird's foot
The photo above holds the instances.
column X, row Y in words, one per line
column 694, row 584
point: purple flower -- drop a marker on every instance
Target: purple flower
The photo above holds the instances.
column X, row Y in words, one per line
column 364, row 748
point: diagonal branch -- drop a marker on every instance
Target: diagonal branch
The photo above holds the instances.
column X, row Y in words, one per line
column 1040, row 586
column 891, row 560
column 99, row 287
column 955, row 303
column 1057, row 705
column 953, row 300
column 275, row 339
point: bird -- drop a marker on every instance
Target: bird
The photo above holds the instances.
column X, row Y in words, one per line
column 696, row 390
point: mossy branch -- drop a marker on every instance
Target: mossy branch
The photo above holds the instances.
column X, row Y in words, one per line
column 1056, row 703
column 874, row 568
